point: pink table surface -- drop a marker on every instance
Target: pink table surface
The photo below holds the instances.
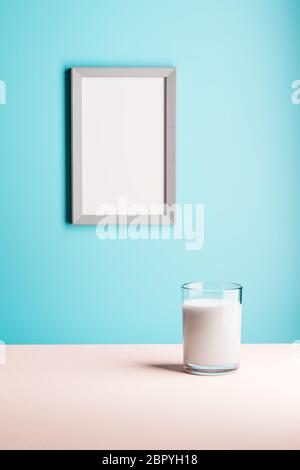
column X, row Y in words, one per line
column 137, row 397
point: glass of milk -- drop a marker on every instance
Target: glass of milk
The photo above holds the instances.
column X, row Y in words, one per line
column 212, row 314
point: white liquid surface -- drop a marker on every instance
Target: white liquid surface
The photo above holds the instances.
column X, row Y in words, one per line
column 212, row 331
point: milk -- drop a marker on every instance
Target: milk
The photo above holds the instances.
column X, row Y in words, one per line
column 212, row 331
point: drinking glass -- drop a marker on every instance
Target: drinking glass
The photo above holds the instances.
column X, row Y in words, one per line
column 212, row 315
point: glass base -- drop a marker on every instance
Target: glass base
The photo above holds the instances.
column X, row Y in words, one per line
column 210, row 370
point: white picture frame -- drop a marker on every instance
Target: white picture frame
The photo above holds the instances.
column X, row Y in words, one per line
column 123, row 145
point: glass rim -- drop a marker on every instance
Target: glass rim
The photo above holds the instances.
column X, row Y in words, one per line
column 212, row 286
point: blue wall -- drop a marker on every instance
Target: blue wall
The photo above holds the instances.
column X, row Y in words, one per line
column 238, row 153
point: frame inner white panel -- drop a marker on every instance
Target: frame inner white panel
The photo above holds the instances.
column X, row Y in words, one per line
column 123, row 147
